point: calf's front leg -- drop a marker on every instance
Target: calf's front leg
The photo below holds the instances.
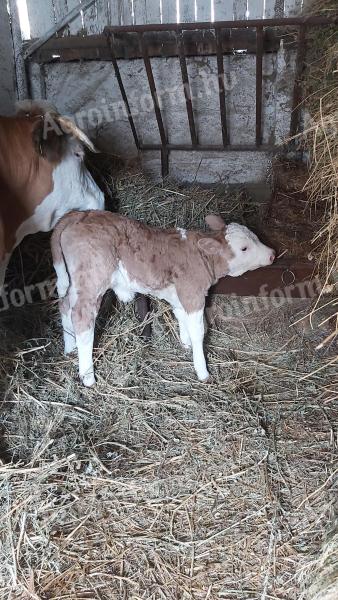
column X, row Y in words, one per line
column 181, row 317
column 195, row 325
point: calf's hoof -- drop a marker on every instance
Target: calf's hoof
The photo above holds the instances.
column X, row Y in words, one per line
column 88, row 380
column 204, row 377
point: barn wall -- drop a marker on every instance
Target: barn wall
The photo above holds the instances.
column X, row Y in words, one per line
column 7, row 73
column 92, row 97
column 88, row 91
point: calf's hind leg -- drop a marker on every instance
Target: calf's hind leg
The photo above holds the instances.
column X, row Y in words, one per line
column 83, row 318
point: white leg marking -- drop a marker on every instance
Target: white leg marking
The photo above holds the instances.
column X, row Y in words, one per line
column 184, row 333
column 123, row 293
column 84, row 342
column 195, row 326
column 68, row 332
column 62, row 279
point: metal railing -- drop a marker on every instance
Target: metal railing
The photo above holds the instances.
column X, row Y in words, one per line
column 301, row 23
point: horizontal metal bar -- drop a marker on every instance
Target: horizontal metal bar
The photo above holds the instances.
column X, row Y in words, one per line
column 239, row 24
column 161, row 44
column 210, row 148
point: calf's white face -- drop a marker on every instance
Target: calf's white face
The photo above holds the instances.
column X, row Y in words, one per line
column 249, row 252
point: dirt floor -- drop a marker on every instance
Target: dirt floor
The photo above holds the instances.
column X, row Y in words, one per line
column 153, row 485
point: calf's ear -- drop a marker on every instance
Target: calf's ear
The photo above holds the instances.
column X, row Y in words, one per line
column 215, row 222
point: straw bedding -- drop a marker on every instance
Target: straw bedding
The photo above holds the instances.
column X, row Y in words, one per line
column 153, row 485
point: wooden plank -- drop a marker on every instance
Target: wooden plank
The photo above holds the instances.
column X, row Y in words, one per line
column 127, row 16
column 32, row 48
column 187, row 11
column 103, row 14
column 140, row 12
column 116, row 10
column 76, row 26
column 256, row 9
column 169, row 13
column 203, row 10
column 239, row 9
column 90, row 19
column 292, row 8
column 223, row 10
column 60, row 9
column 41, row 16
column 273, row 8
column 20, row 71
column 153, row 11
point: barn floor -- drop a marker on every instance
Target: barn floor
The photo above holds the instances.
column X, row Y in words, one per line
column 153, row 485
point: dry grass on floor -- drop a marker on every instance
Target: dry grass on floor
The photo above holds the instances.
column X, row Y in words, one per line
column 153, row 485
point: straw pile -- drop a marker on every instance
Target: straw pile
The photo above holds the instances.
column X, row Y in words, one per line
column 321, row 141
column 153, row 485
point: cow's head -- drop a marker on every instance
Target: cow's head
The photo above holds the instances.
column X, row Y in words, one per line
column 54, row 136
column 247, row 251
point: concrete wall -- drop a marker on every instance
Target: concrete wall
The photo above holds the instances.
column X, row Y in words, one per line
column 88, row 91
column 7, row 69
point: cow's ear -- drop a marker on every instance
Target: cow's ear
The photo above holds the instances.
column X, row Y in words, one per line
column 215, row 222
column 210, row 246
column 49, row 141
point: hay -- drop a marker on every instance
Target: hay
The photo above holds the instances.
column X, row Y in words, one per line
column 153, row 485
column 321, row 141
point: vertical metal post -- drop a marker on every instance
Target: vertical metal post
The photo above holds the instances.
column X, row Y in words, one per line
column 187, row 89
column 151, row 81
column 259, row 76
column 123, row 92
column 221, row 87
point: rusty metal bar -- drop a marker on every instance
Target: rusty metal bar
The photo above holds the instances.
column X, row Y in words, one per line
column 285, row 275
column 221, row 88
column 123, row 93
column 210, row 148
column 297, row 89
column 187, row 90
column 259, row 77
column 238, row 24
column 151, row 81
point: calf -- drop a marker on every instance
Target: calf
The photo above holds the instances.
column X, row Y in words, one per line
column 42, row 175
column 95, row 251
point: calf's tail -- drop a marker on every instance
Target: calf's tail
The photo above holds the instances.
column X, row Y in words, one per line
column 59, row 262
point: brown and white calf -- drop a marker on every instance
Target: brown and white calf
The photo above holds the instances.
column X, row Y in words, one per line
column 95, row 251
column 42, row 175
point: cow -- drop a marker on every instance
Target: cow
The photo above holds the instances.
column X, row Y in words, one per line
column 95, row 251
column 42, row 174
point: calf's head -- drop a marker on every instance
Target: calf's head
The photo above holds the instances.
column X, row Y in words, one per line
column 247, row 251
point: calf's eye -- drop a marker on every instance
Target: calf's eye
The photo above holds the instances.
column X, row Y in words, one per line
column 244, row 249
